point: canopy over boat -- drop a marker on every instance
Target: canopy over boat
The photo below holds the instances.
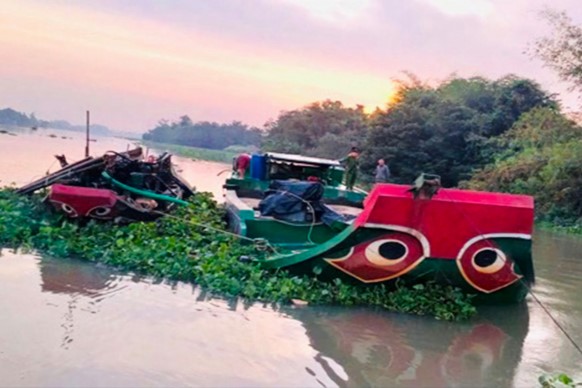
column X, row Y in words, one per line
column 301, row 160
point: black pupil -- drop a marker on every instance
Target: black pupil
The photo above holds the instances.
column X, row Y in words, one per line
column 485, row 258
column 392, row 250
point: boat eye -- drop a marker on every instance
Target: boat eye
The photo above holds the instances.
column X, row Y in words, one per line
column 102, row 211
column 69, row 210
column 386, row 252
column 488, row 260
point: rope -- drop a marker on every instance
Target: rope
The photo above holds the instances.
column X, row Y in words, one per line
column 260, row 243
column 36, row 177
column 49, row 167
column 313, row 221
column 223, row 171
column 530, row 291
column 68, row 174
column 562, row 329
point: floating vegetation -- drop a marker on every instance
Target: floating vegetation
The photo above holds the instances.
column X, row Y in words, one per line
column 173, row 249
column 560, row 380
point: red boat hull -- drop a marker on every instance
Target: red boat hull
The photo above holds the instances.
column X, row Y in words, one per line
column 78, row 201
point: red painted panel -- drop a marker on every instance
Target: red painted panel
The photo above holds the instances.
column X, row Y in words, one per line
column 368, row 263
column 451, row 218
column 81, row 199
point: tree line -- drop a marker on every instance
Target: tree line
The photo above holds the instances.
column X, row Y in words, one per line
column 205, row 134
column 9, row 116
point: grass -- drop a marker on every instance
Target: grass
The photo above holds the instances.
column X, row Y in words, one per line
column 193, row 152
column 575, row 228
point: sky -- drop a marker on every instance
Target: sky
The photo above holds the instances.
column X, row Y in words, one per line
column 133, row 63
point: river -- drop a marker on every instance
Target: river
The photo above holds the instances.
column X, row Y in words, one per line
column 72, row 323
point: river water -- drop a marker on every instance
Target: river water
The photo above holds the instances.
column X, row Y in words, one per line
column 72, row 323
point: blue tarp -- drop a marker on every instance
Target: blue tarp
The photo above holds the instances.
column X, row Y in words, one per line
column 297, row 202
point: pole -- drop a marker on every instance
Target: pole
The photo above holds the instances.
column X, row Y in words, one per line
column 87, row 140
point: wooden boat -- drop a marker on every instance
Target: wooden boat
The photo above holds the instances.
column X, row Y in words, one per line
column 116, row 186
column 478, row 241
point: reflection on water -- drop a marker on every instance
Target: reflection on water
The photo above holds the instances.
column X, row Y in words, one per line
column 382, row 349
column 72, row 277
column 77, row 280
column 72, row 323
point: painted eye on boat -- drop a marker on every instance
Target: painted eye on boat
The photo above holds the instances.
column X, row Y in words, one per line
column 102, row 211
column 69, row 210
column 488, row 260
column 485, row 266
column 392, row 254
column 387, row 252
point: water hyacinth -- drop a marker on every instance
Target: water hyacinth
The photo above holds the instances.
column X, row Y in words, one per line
column 173, row 249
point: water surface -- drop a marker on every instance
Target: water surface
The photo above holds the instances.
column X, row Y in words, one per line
column 72, row 323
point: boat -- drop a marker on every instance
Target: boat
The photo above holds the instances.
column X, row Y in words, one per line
column 477, row 241
column 120, row 186
column 244, row 194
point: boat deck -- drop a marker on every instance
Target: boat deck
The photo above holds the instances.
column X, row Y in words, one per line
column 253, row 203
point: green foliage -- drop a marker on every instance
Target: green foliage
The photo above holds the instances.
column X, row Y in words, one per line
column 204, row 134
column 325, row 129
column 447, row 130
column 238, row 149
column 539, row 156
column 560, row 380
column 225, row 156
column 176, row 248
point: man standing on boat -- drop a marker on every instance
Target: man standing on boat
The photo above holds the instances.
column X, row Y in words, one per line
column 382, row 172
column 351, row 163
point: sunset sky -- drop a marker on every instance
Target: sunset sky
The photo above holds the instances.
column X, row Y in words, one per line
column 134, row 62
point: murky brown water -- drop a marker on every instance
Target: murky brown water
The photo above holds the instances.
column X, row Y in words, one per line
column 71, row 323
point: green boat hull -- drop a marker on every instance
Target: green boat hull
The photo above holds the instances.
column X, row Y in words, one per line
column 479, row 242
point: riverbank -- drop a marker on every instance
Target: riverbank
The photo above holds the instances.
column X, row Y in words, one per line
column 192, row 152
column 557, row 228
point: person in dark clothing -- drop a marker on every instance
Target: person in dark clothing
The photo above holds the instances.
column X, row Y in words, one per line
column 382, row 172
column 351, row 163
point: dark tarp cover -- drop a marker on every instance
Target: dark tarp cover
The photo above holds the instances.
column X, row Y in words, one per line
column 289, row 201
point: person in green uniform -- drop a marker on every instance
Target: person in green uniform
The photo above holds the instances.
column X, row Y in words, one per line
column 351, row 163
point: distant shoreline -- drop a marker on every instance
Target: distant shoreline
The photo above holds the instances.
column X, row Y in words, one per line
column 195, row 153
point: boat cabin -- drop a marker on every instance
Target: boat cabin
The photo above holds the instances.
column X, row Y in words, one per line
column 279, row 166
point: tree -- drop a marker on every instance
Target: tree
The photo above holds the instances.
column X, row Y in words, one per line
column 562, row 52
column 204, row 134
column 540, row 156
column 447, row 129
column 326, row 129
